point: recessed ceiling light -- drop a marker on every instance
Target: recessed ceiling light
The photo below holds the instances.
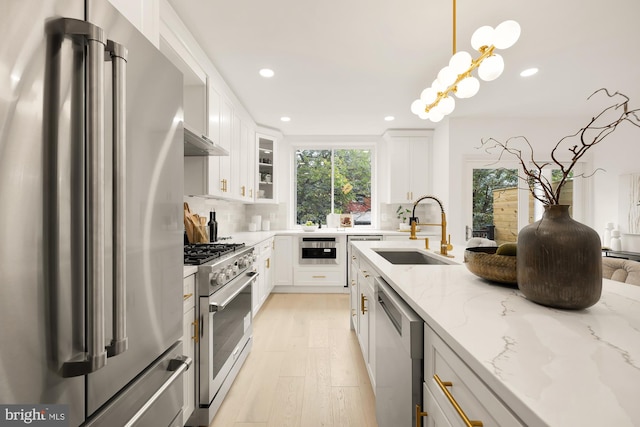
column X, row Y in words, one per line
column 266, row 72
column 389, row 118
column 529, row 72
column 285, row 119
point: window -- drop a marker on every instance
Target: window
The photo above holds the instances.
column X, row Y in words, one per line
column 495, row 204
column 500, row 204
column 333, row 181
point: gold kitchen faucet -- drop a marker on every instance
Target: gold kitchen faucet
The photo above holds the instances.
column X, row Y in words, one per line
column 445, row 245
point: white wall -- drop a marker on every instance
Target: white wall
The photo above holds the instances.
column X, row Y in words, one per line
column 465, row 135
column 618, row 154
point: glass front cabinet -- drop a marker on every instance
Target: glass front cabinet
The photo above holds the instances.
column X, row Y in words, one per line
column 266, row 172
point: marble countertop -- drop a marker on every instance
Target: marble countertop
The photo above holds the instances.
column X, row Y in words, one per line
column 551, row 367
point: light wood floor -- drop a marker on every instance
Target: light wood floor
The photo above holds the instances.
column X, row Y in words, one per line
column 305, row 368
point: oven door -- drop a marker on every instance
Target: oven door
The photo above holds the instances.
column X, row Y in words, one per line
column 226, row 330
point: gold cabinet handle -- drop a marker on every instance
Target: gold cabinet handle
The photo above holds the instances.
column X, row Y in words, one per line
column 251, row 192
column 187, row 296
column 242, row 190
column 443, row 386
column 196, row 331
column 268, row 262
column 364, row 273
column 362, row 301
column 419, row 414
column 319, row 277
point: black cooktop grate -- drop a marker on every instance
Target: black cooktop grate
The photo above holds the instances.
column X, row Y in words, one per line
column 202, row 253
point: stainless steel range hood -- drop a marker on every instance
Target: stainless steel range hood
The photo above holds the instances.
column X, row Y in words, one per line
column 199, row 145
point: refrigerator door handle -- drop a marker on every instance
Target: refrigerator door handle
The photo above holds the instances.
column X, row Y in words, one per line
column 89, row 38
column 117, row 54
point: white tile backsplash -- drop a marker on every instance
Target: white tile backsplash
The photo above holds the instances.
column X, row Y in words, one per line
column 234, row 217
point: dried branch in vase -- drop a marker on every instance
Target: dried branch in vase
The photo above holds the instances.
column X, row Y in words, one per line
column 597, row 129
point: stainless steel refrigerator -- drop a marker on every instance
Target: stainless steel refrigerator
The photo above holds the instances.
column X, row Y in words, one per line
column 91, row 148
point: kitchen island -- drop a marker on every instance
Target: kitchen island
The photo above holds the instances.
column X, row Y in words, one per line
column 549, row 367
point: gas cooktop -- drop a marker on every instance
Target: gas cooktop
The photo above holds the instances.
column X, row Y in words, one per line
column 202, row 253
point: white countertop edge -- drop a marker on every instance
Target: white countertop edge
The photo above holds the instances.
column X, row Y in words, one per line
column 488, row 324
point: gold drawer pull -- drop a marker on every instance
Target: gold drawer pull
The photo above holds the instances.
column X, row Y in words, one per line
column 319, row 277
column 443, row 386
column 187, row 296
column 419, row 414
column 196, row 331
column 362, row 301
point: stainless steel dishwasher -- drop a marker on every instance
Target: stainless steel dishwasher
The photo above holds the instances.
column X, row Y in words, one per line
column 399, row 358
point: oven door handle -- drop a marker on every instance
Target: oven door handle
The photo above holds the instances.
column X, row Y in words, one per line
column 228, row 296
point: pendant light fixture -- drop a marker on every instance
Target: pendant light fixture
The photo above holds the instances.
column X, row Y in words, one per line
column 437, row 101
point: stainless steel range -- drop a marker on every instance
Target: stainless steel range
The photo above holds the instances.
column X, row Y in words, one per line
column 225, row 279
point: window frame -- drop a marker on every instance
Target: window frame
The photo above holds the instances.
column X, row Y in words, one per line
column 326, row 145
column 580, row 189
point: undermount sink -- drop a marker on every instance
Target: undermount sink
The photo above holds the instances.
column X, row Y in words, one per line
column 409, row 257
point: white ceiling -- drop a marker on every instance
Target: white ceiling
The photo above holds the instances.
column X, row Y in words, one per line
column 343, row 65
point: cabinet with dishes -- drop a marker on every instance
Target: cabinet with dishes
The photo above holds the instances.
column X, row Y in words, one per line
column 265, row 168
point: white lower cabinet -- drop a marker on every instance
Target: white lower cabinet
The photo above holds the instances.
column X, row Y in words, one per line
column 283, row 261
column 365, row 305
column 189, row 337
column 434, row 417
column 264, row 283
column 353, row 290
column 457, row 392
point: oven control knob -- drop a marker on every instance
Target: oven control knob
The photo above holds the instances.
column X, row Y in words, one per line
column 235, row 270
column 242, row 262
column 229, row 272
column 221, row 278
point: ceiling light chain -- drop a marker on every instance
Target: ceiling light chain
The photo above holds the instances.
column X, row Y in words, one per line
column 435, row 102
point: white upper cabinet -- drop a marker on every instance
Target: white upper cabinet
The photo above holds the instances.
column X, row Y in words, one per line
column 409, row 171
column 211, row 109
column 144, row 15
column 173, row 43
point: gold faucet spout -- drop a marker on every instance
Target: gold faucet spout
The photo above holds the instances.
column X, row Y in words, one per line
column 445, row 245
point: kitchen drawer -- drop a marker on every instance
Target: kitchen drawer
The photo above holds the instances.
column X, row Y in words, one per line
column 474, row 398
column 435, row 416
column 189, row 288
column 265, row 246
column 318, row 277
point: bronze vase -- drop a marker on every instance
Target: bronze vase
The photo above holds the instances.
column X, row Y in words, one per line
column 559, row 261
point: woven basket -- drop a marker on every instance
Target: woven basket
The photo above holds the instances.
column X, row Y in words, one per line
column 483, row 262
